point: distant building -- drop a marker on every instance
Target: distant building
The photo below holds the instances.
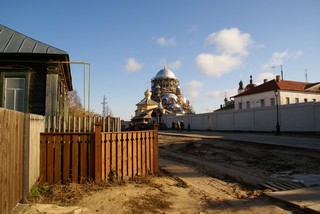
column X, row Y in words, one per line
column 166, row 91
column 145, row 107
column 276, row 91
column 165, row 97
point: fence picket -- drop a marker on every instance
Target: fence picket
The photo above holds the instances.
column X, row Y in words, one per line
column 50, row 155
column 147, row 153
column 57, row 159
column 83, row 158
column 66, row 158
column 143, row 153
column 113, row 152
column 139, row 153
column 43, row 158
column 75, row 158
column 135, row 155
column 129, row 151
column 119, row 156
column 124, row 155
column 81, row 124
column 151, row 152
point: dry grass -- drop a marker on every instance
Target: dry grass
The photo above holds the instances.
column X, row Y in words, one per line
column 70, row 194
column 149, row 203
column 64, row 194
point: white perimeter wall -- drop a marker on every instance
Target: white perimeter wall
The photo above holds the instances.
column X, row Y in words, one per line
column 301, row 117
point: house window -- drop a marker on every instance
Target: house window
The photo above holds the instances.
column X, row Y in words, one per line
column 305, row 100
column 240, row 105
column 297, row 100
column 14, row 95
column 287, row 100
column 272, row 101
column 248, row 104
column 262, row 103
column 314, row 100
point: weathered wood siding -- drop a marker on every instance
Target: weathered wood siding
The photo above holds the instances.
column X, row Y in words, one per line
column 11, row 158
column 37, row 91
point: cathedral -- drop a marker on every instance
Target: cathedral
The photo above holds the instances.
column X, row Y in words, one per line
column 165, row 97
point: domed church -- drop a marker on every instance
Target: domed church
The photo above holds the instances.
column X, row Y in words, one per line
column 166, row 92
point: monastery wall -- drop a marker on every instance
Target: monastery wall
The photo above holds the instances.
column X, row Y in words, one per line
column 301, row 117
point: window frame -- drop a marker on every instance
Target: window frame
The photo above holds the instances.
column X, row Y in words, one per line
column 15, row 73
column 272, row 101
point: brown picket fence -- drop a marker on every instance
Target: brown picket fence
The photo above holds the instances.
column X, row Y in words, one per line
column 98, row 156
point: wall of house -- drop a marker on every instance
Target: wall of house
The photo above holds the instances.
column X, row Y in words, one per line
column 255, row 99
column 292, row 95
column 301, row 117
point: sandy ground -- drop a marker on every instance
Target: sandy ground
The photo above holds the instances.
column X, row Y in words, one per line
column 222, row 177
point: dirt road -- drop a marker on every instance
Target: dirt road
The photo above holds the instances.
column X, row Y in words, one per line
column 210, row 176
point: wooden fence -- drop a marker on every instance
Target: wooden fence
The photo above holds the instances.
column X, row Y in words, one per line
column 99, row 156
column 81, row 124
column 19, row 156
column 11, row 159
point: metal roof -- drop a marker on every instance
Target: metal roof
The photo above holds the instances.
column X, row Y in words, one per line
column 14, row 42
column 165, row 73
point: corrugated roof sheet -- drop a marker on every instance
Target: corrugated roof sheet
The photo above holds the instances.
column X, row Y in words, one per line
column 14, row 42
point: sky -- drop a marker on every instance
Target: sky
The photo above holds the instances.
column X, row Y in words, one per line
column 210, row 45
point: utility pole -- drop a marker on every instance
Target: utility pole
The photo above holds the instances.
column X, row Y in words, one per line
column 104, row 106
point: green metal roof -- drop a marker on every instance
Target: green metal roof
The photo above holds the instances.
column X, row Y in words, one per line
column 14, row 42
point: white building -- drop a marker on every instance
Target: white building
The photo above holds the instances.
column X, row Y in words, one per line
column 276, row 91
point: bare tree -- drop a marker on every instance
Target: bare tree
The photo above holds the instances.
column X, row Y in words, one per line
column 74, row 104
column 106, row 110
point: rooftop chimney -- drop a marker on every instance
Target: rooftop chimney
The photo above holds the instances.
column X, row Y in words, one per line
column 265, row 80
column 278, row 78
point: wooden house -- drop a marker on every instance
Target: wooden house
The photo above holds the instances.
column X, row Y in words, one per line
column 34, row 77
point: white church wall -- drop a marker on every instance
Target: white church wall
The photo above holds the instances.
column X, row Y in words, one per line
column 265, row 119
column 301, row 117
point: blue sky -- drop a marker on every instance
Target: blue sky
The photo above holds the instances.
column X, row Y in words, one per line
column 209, row 44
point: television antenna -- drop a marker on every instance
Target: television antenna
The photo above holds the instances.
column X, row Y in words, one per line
column 306, row 74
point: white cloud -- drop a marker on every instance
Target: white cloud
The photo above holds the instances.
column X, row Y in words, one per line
column 278, row 58
column 231, row 48
column 193, row 88
column 216, row 94
column 175, row 65
column 216, row 65
column 132, row 65
column 230, row 41
column 222, row 94
column 266, row 75
column 210, row 108
column 166, row 42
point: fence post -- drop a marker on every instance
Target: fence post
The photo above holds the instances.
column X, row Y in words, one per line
column 25, row 163
column 155, row 149
column 97, row 152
